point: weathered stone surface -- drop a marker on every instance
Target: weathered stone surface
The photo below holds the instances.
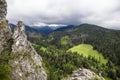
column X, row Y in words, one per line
column 84, row 74
column 3, row 23
column 26, row 63
column 5, row 31
column 20, row 39
column 3, row 9
column 5, row 35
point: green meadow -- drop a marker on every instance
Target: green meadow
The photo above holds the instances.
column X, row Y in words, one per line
column 87, row 50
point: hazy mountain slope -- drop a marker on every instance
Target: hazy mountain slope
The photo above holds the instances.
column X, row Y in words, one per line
column 27, row 28
column 104, row 40
column 44, row 30
column 64, row 28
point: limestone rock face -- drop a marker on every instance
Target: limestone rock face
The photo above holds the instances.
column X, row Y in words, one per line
column 20, row 39
column 23, row 60
column 3, row 9
column 5, row 31
column 5, row 35
column 26, row 63
column 84, row 74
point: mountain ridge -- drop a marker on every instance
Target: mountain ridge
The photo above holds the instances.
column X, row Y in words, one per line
column 46, row 30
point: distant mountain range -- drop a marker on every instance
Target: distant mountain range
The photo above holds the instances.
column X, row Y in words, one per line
column 106, row 41
column 45, row 30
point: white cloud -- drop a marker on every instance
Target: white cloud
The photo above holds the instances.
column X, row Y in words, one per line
column 39, row 24
column 100, row 12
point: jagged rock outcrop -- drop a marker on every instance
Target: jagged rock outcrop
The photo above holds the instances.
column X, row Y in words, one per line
column 5, row 36
column 84, row 74
column 18, row 53
column 26, row 63
column 3, row 9
column 20, row 39
column 5, row 31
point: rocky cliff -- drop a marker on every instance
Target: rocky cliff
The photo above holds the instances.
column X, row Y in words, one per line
column 5, row 31
column 84, row 74
column 17, row 52
column 3, row 9
column 26, row 63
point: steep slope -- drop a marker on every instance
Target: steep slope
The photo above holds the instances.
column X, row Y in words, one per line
column 18, row 59
column 26, row 63
column 5, row 31
column 32, row 33
column 5, row 35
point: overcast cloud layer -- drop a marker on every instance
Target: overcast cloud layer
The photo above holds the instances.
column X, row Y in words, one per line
column 105, row 13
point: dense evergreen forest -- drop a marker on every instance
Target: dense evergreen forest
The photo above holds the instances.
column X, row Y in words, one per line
column 59, row 63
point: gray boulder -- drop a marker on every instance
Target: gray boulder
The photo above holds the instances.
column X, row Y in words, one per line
column 84, row 74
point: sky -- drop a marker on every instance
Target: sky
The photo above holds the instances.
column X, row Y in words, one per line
column 104, row 13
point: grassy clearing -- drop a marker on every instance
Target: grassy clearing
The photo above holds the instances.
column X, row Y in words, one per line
column 65, row 40
column 87, row 50
column 43, row 49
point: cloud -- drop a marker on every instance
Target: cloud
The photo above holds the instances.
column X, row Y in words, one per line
column 100, row 12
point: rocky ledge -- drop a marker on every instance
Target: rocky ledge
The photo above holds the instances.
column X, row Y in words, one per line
column 84, row 74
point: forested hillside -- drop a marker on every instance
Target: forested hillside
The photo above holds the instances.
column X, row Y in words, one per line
column 60, row 63
column 104, row 40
